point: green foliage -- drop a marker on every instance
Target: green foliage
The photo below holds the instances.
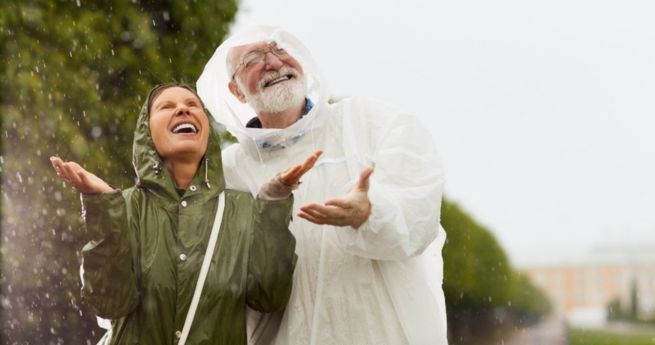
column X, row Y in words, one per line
column 634, row 301
column 477, row 272
column 479, row 282
column 604, row 337
column 73, row 78
column 615, row 311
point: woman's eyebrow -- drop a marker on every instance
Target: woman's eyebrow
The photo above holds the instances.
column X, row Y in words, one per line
column 162, row 103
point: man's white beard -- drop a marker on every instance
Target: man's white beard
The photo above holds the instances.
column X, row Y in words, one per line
column 279, row 97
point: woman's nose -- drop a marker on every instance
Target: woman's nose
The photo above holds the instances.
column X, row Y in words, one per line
column 181, row 109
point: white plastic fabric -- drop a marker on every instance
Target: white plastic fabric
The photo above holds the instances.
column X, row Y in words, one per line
column 381, row 283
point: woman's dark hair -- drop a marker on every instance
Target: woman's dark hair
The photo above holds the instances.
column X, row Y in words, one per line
column 161, row 87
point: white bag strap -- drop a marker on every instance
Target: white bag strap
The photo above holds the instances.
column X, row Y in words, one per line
column 203, row 269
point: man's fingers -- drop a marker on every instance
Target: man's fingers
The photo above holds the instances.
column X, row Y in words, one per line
column 330, row 214
column 313, row 210
column 310, row 218
column 339, row 203
column 364, row 177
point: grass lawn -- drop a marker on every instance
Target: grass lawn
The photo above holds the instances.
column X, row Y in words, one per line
column 601, row 337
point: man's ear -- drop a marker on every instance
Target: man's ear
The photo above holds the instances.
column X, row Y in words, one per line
column 234, row 89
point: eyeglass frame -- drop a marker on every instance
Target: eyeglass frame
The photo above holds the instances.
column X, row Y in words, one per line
column 270, row 48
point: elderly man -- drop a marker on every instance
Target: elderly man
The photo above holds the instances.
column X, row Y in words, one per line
column 369, row 268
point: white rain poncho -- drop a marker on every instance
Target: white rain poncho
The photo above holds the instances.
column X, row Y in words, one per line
column 381, row 283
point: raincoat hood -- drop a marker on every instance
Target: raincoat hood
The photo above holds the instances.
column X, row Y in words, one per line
column 214, row 92
column 150, row 168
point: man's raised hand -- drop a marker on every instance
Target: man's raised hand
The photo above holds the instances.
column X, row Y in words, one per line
column 353, row 209
column 80, row 179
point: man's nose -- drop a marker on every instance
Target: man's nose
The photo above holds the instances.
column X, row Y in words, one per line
column 272, row 61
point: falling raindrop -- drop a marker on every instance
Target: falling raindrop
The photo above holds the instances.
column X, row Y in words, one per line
column 96, row 132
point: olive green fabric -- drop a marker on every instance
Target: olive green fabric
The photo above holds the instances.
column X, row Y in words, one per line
column 146, row 246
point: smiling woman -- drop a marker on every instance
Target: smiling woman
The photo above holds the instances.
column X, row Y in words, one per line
column 146, row 243
column 179, row 129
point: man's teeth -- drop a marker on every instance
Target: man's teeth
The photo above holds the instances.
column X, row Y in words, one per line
column 277, row 80
column 185, row 128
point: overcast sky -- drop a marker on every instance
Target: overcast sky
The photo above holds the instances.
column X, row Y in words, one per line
column 543, row 112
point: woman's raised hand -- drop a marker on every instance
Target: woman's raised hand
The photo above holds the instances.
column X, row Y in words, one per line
column 292, row 176
column 80, row 179
column 281, row 186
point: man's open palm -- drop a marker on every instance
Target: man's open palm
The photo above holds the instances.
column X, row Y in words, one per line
column 353, row 209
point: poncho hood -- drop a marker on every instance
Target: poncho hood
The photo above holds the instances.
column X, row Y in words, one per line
column 151, row 171
column 213, row 90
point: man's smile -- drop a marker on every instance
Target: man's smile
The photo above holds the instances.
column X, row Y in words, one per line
column 279, row 79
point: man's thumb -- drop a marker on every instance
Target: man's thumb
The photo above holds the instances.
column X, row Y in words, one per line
column 364, row 177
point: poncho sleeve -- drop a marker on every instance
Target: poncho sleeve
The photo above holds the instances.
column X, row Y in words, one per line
column 108, row 275
column 272, row 256
column 405, row 189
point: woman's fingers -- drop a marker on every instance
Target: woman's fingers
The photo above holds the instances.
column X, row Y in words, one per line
column 79, row 178
column 310, row 161
column 57, row 164
column 293, row 175
column 72, row 174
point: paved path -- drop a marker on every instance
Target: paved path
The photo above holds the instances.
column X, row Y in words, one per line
column 548, row 332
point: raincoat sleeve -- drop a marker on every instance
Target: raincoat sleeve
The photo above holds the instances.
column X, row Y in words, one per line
column 272, row 256
column 108, row 277
column 405, row 189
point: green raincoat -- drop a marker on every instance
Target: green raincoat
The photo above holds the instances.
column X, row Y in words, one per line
column 148, row 242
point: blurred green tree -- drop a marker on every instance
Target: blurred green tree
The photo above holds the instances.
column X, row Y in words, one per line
column 634, row 301
column 73, row 78
column 483, row 292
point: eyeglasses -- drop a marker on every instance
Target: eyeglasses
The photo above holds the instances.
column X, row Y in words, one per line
column 257, row 57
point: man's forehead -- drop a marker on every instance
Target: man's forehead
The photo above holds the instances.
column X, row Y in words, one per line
column 250, row 47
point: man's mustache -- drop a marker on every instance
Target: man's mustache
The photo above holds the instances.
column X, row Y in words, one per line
column 272, row 75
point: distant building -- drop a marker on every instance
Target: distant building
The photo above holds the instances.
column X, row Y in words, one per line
column 581, row 293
